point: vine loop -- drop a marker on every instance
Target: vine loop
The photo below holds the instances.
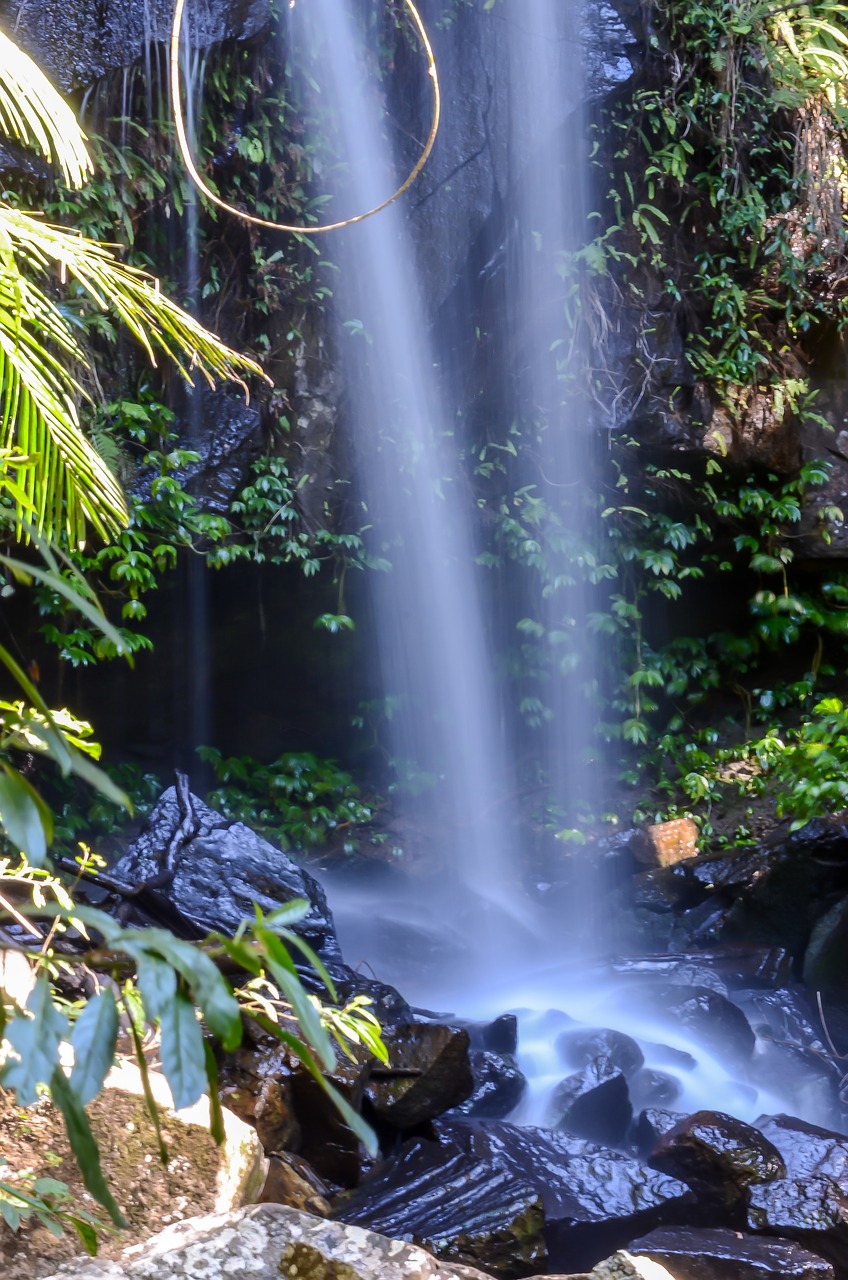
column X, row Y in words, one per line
column 197, row 179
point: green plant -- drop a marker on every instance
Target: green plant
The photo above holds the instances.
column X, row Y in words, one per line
column 298, row 800
column 49, row 1202
column 173, row 979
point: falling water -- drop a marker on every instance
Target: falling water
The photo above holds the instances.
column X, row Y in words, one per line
column 434, row 661
column 432, row 632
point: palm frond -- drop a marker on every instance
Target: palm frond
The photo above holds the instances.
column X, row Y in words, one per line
column 66, row 483
column 154, row 319
column 32, row 112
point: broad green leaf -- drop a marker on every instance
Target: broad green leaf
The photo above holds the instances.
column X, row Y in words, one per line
column 183, row 1057
column 86, row 1233
column 285, row 975
column 217, row 1002
column 21, row 816
column 157, row 983
column 289, row 913
column 93, row 1039
column 35, row 1037
column 83, row 1144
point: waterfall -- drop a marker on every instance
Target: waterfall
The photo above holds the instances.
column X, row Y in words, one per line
column 434, row 659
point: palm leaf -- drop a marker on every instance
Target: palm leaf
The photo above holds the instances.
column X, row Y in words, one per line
column 66, row 483
column 154, row 319
column 32, row 112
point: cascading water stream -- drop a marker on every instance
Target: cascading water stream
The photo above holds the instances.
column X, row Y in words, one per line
column 433, row 655
column 432, row 635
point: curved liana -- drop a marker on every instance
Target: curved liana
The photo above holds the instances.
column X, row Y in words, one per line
column 188, row 159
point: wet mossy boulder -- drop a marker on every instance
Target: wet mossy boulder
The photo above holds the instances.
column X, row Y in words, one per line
column 719, row 1157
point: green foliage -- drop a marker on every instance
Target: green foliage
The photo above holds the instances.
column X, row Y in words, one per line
column 299, row 800
column 176, row 981
column 49, row 1202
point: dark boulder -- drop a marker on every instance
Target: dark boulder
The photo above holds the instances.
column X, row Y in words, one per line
column 771, row 895
column 649, row 1088
column 580, row 1046
column 813, row 1211
column 220, row 870
column 692, row 1253
column 719, row 1157
column 807, row 1150
column 498, row 1036
column 593, row 1103
column 460, row 1208
column 593, row 1198
column 648, row 1127
column 433, row 1074
column 712, row 1020
column 499, row 1085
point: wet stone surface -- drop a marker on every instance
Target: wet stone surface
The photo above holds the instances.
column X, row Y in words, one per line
column 813, row 1211
column 807, row 1150
column 499, row 1085
column 593, row 1103
column 718, row 1254
column 579, row 1047
column 719, row 1157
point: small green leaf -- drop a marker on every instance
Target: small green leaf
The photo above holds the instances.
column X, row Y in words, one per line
column 22, row 814
column 83, row 1144
column 35, row 1037
column 86, row 1233
column 183, row 1057
column 93, row 1039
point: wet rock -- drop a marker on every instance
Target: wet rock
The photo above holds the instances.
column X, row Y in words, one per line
column 579, row 1047
column 813, row 1211
column 682, row 970
column 650, row 1125
column 498, row 1036
column 668, row 1056
column 811, row 1080
column 593, row 1103
column 711, row 1019
column 807, row 1150
column 673, row 841
column 221, row 870
column 434, row 1074
column 330, row 1147
column 77, row 43
column 624, row 1265
column 461, row 1208
column 771, row 894
column 718, row 1254
column 292, row 1181
column 227, row 433
column 650, row 1088
column 748, row 429
column 591, row 1196
column 256, row 1084
column 499, row 1085
column 719, row 1157
column 730, row 965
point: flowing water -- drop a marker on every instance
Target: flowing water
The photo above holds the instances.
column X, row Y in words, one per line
column 472, row 943
column 435, row 662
